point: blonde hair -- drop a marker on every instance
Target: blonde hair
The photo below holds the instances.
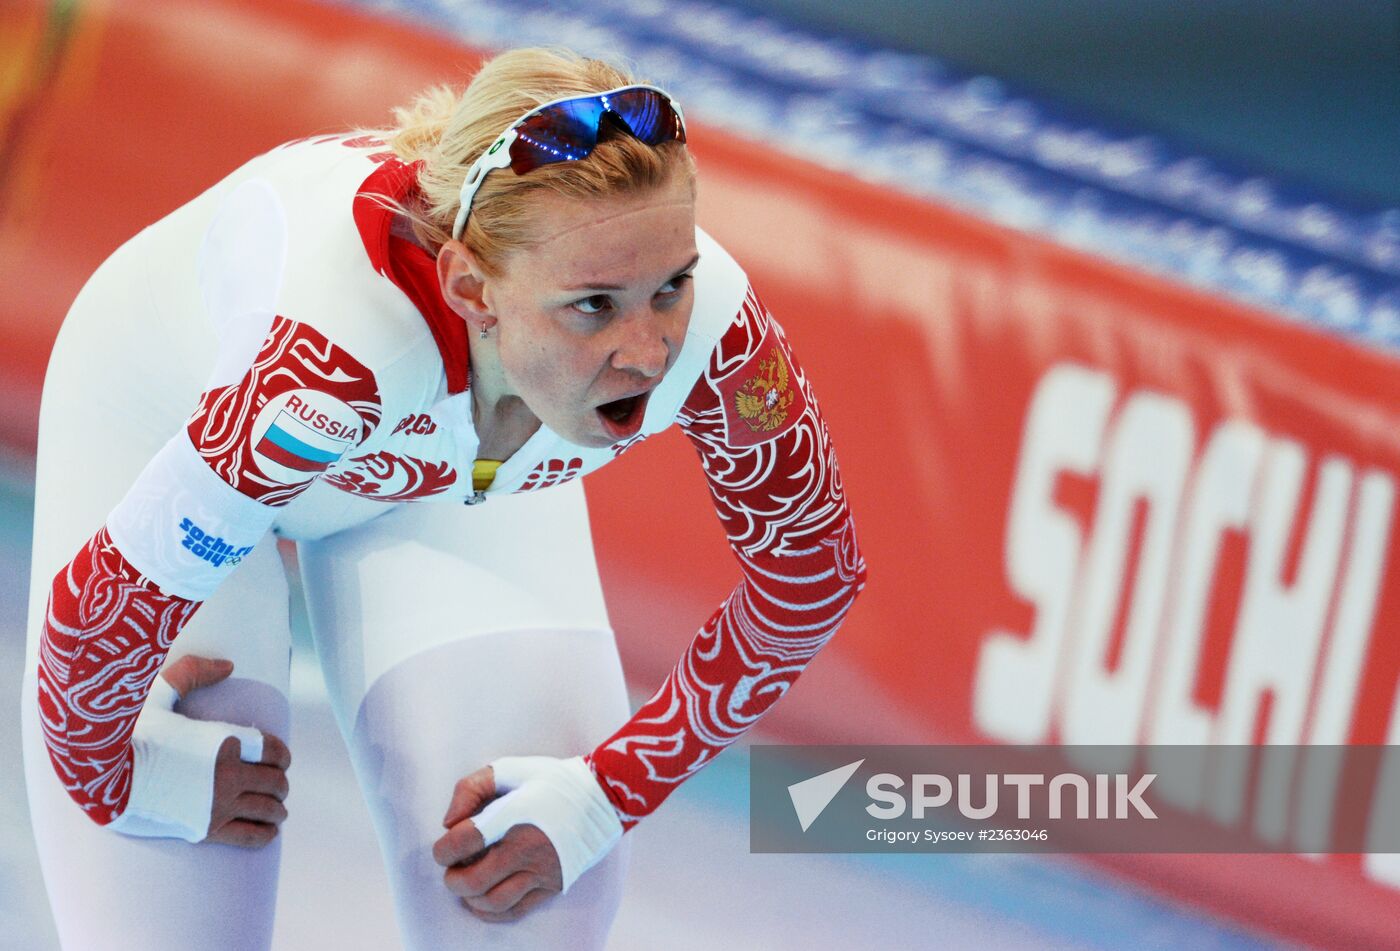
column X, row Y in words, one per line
column 447, row 130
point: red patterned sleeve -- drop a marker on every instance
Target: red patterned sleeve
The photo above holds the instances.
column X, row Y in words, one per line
column 251, row 446
column 107, row 631
column 772, row 471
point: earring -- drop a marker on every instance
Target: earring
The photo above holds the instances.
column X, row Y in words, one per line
column 484, row 333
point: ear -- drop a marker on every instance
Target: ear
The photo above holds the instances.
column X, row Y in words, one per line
column 463, row 285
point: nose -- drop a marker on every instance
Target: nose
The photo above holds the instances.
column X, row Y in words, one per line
column 643, row 345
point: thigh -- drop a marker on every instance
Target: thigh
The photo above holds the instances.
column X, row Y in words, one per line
column 110, row 891
column 452, row 635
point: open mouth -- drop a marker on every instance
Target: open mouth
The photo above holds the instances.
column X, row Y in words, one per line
column 623, row 418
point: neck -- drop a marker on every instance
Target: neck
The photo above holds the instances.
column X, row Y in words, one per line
column 503, row 422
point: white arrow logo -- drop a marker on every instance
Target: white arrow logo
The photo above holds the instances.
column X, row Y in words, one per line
column 811, row 796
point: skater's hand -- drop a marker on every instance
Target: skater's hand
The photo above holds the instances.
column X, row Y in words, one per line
column 248, row 797
column 508, row 879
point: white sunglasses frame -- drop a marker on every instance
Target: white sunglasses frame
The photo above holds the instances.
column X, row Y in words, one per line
column 498, row 155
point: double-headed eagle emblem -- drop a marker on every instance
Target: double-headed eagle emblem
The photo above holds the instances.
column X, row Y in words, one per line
column 764, row 398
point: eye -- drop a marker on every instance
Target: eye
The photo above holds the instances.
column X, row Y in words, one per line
column 593, row 305
column 674, row 286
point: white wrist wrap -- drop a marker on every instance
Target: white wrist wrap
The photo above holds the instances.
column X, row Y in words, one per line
column 562, row 798
column 172, row 779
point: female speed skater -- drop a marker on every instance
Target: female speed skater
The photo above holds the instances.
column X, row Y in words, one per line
column 473, row 309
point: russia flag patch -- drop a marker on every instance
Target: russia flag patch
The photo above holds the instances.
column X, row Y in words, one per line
column 295, row 445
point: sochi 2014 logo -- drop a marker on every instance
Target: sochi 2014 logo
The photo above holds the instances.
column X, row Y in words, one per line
column 209, row 548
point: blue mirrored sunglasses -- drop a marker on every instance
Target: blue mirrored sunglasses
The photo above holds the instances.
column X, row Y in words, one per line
column 566, row 130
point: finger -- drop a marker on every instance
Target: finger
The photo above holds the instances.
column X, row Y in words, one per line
column 275, row 752
column 244, row 834
column 479, row 877
column 517, row 911
column 504, row 894
column 259, row 808
column 191, row 672
column 469, row 795
column 267, row 780
column 229, row 751
column 458, row 844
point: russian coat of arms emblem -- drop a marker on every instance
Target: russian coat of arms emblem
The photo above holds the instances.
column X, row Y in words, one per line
column 763, row 400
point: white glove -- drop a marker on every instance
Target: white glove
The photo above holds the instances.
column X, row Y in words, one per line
column 172, row 778
column 562, row 798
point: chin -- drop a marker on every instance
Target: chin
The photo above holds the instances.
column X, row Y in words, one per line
column 592, row 440
column 580, row 434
